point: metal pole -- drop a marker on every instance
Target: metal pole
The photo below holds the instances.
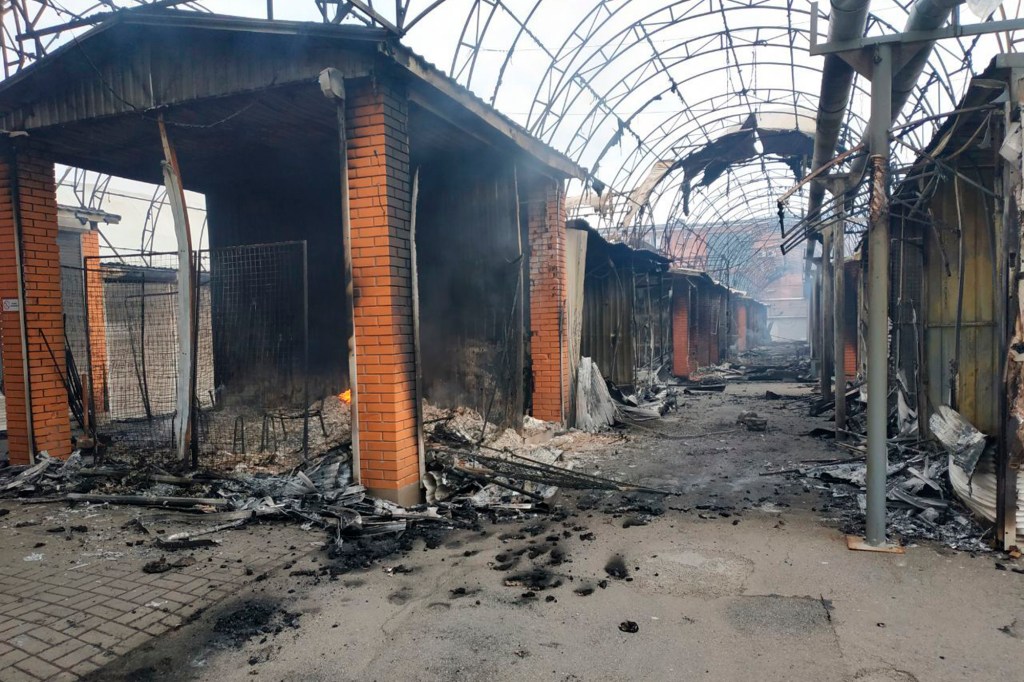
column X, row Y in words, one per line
column 26, row 372
column 839, row 307
column 305, row 351
column 825, row 319
column 878, row 296
column 332, row 84
column 421, row 451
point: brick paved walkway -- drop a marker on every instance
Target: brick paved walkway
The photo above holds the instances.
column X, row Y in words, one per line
column 69, row 605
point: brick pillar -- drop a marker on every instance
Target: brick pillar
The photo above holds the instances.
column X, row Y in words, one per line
column 37, row 203
column 379, row 203
column 741, row 327
column 850, row 322
column 699, row 335
column 716, row 324
column 96, row 318
column 548, row 351
column 681, row 330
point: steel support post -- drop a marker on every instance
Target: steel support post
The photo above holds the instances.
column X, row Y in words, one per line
column 878, row 295
column 825, row 305
column 838, row 305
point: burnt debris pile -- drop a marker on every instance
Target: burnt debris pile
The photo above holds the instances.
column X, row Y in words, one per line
column 940, row 488
column 781, row 361
column 920, row 501
column 474, row 472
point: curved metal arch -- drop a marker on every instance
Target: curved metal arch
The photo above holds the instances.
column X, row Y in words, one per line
column 668, row 137
column 569, row 59
column 694, row 119
column 646, row 154
column 709, row 214
column 599, row 116
column 582, row 103
column 675, row 21
column 717, row 220
column 854, row 116
column 536, row 125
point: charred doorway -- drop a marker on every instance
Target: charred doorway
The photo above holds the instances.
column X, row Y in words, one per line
column 470, row 259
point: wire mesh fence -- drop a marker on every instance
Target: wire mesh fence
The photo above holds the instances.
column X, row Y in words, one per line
column 76, row 353
column 72, row 290
column 249, row 344
column 257, row 400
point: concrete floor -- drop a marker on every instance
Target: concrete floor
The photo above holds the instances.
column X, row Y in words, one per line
column 747, row 589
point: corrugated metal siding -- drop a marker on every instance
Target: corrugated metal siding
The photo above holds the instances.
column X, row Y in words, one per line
column 979, row 361
column 156, row 68
column 608, row 322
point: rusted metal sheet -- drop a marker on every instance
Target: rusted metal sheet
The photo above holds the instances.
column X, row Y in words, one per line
column 979, row 370
column 607, row 336
column 626, row 311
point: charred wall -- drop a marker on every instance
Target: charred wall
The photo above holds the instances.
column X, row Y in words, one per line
column 469, row 260
column 627, row 312
column 608, row 301
column 652, row 321
column 265, row 206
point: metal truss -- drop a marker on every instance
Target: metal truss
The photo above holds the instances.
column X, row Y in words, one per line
column 624, row 88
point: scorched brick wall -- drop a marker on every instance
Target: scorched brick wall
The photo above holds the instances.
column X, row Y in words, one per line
column 546, row 216
column 681, row 329
column 96, row 316
column 37, row 201
column 379, row 203
column 741, row 326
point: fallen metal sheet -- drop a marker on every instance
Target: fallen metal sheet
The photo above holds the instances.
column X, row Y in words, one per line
column 964, row 442
column 147, row 501
column 916, row 500
column 595, row 409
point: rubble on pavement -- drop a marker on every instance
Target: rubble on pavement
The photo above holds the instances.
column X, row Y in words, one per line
column 919, row 497
column 781, row 361
column 475, row 471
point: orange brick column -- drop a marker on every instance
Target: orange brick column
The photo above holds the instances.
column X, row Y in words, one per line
column 741, row 327
column 548, row 350
column 37, row 210
column 717, row 325
column 379, row 203
column 681, row 329
column 97, row 321
column 850, row 322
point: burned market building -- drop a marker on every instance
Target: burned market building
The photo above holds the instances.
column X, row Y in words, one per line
column 373, row 227
column 712, row 322
column 953, row 299
column 625, row 322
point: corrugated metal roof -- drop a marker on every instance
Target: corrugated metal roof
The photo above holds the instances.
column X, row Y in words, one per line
column 141, row 60
column 622, row 253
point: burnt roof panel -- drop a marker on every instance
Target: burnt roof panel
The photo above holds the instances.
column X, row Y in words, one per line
column 140, row 62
